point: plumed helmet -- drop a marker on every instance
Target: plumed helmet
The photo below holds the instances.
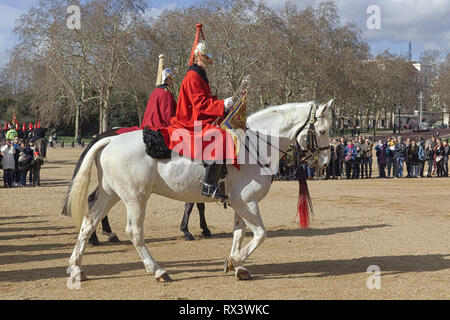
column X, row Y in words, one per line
column 202, row 48
column 199, row 46
column 167, row 73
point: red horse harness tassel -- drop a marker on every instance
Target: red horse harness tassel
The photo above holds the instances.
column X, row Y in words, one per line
column 305, row 209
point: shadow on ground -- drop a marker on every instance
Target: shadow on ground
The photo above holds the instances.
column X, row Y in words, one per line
column 320, row 268
column 307, row 232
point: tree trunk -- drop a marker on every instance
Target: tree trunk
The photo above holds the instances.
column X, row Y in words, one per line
column 100, row 119
column 77, row 121
column 105, row 105
column 104, row 118
column 366, row 119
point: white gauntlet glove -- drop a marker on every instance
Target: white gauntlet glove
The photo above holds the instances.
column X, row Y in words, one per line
column 228, row 102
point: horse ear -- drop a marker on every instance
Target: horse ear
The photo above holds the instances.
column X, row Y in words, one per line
column 323, row 108
column 330, row 103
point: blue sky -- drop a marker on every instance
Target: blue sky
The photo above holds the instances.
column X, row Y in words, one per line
column 425, row 23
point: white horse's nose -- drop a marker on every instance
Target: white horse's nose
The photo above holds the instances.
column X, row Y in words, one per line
column 323, row 162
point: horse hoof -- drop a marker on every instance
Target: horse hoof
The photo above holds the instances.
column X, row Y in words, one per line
column 94, row 241
column 113, row 238
column 228, row 266
column 164, row 278
column 206, row 233
column 79, row 277
column 243, row 274
column 83, row 277
column 188, row 237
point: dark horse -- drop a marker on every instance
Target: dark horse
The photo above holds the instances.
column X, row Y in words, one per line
column 112, row 237
column 184, row 223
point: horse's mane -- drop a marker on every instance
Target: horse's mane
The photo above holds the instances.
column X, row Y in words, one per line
column 281, row 109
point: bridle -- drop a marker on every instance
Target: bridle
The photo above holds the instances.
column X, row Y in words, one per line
column 312, row 147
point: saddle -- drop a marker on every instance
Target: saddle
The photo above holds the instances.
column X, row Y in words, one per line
column 156, row 147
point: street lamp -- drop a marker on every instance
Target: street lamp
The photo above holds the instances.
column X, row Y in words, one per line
column 420, row 107
column 398, row 108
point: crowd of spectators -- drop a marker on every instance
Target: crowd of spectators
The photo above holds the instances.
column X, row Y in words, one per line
column 19, row 158
column 353, row 158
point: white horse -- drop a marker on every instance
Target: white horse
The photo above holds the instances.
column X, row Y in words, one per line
column 127, row 173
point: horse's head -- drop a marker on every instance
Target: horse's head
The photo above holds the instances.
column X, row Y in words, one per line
column 314, row 139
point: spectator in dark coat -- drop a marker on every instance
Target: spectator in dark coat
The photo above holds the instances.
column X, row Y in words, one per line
column 381, row 153
column 36, row 164
column 429, row 154
column 390, row 163
column 439, row 158
column 341, row 155
column 331, row 168
column 407, row 160
column 400, row 156
column 339, row 159
column 446, row 149
column 412, row 156
column 25, row 158
column 422, row 157
column 359, row 166
column 367, row 158
column 350, row 160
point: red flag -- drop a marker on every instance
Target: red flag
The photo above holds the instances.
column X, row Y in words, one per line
column 6, row 126
column 24, row 127
column 30, row 127
column 17, row 126
column 39, row 124
column 35, row 125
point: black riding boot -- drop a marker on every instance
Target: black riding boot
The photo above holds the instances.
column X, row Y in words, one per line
column 210, row 186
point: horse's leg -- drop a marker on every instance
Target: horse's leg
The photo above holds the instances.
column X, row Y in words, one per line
column 91, row 200
column 99, row 209
column 185, row 221
column 201, row 211
column 112, row 237
column 135, row 230
column 252, row 218
column 238, row 237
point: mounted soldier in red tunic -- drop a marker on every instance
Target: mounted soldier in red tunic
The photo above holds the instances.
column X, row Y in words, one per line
column 161, row 106
column 191, row 132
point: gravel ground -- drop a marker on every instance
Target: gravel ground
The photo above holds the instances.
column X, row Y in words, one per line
column 401, row 226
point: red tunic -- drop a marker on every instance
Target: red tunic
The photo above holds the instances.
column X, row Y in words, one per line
column 160, row 108
column 191, row 132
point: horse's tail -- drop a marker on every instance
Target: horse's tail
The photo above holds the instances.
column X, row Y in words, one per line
column 76, row 196
column 109, row 133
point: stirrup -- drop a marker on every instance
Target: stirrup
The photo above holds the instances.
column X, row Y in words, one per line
column 212, row 191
